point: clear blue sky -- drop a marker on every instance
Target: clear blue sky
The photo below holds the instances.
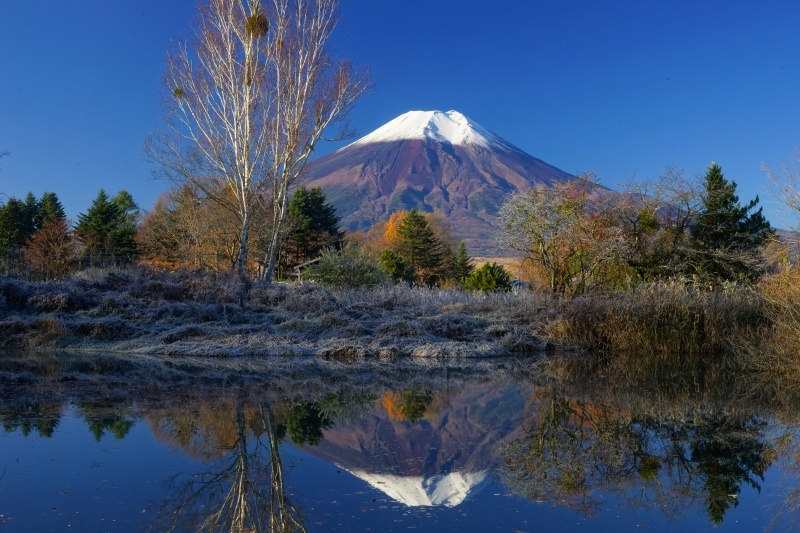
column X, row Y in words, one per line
column 621, row 88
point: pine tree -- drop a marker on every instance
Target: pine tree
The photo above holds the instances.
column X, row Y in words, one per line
column 314, row 226
column 420, row 249
column 106, row 230
column 30, row 216
column 725, row 238
column 12, row 234
column 50, row 208
column 462, row 265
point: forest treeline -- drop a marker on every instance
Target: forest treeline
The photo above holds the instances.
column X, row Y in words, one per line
column 190, row 228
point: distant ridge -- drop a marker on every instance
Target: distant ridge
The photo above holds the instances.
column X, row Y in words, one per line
column 431, row 161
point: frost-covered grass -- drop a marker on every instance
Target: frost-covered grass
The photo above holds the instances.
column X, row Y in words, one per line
column 148, row 312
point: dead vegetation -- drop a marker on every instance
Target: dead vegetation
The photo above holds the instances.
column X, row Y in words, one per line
column 145, row 311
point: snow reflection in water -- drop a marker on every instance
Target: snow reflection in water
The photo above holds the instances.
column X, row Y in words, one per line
column 480, row 446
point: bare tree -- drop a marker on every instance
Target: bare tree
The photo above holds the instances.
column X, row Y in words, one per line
column 248, row 101
column 785, row 184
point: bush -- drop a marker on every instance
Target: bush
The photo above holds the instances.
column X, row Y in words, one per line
column 490, row 277
column 350, row 267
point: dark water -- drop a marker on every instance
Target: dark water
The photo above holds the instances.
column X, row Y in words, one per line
column 110, row 446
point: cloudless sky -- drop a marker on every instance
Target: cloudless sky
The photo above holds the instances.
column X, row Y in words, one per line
column 622, row 88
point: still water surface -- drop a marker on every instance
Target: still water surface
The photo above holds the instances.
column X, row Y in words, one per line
column 433, row 448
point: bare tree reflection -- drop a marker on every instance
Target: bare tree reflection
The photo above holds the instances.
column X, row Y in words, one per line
column 576, row 452
column 245, row 490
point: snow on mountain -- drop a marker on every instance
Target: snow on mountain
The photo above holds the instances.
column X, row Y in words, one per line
column 449, row 127
column 416, row 491
column 430, row 161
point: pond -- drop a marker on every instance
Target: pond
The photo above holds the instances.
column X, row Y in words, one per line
column 107, row 444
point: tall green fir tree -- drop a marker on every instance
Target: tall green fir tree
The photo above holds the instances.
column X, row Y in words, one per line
column 421, row 250
column 107, row 229
column 18, row 221
column 50, row 208
column 726, row 238
column 462, row 264
column 313, row 225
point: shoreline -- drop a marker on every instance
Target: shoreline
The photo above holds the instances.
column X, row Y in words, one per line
column 155, row 313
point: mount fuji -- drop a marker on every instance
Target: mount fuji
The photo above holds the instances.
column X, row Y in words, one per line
column 430, row 161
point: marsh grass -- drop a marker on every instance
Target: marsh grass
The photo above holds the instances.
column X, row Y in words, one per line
column 661, row 319
column 772, row 352
column 146, row 311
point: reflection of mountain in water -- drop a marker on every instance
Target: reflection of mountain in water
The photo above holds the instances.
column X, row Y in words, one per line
column 440, row 459
column 448, row 489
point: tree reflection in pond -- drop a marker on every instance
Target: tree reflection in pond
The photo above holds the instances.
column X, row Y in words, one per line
column 29, row 416
column 244, row 490
column 114, row 416
column 575, row 451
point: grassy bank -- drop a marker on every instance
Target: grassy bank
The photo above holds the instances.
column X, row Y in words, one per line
column 668, row 327
column 144, row 311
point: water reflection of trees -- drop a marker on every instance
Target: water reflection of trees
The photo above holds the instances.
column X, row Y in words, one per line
column 576, row 451
column 27, row 416
column 244, row 488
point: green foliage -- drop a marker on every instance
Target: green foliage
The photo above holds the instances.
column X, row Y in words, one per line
column 420, row 249
column 395, row 267
column 725, row 236
column 313, row 226
column 489, row 277
column 26, row 417
column 50, row 208
column 108, row 227
column 14, row 228
column 413, row 403
column 304, row 424
column 104, row 417
column 349, row 267
column 462, row 264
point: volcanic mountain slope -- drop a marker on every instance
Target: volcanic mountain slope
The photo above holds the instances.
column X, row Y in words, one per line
column 430, row 161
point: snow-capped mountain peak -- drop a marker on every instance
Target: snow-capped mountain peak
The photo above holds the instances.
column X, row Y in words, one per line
column 449, row 127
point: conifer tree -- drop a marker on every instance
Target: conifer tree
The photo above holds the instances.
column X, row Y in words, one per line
column 12, row 231
column 420, row 249
column 314, row 225
column 462, row 265
column 726, row 237
column 50, row 208
column 106, row 230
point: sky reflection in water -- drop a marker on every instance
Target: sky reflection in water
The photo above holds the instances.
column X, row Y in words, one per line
column 484, row 449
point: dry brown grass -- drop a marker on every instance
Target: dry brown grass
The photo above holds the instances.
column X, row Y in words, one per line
column 664, row 319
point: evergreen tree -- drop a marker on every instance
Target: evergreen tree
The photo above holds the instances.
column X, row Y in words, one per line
column 17, row 224
column 314, row 225
column 489, row 278
column 395, row 267
column 107, row 229
column 124, row 237
column 50, row 208
column 462, row 264
column 30, row 216
column 725, row 236
column 420, row 249
column 12, row 232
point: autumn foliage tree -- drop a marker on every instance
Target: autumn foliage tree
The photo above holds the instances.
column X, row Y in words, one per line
column 563, row 233
column 51, row 252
